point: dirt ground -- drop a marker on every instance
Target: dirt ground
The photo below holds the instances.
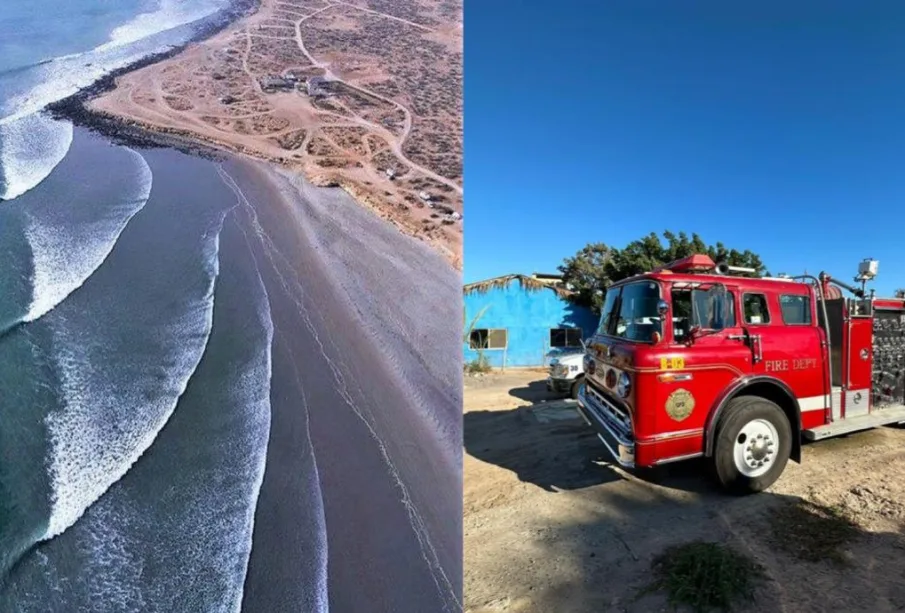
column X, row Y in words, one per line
column 551, row 525
column 392, row 101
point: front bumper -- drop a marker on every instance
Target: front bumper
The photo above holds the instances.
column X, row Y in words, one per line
column 610, row 425
column 559, row 385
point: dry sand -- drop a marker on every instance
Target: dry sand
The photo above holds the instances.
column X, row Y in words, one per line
column 551, row 525
column 394, row 102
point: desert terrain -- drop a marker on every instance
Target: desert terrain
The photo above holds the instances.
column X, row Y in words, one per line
column 551, row 525
column 364, row 94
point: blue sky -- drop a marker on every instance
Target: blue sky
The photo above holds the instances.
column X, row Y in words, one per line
column 779, row 129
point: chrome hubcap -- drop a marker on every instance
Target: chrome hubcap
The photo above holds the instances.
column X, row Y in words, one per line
column 755, row 447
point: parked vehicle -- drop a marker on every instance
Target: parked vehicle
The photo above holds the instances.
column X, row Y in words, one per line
column 692, row 360
column 566, row 373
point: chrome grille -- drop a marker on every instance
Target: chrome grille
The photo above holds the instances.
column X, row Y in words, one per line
column 610, row 410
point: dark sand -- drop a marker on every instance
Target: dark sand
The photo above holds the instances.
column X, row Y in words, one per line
column 366, row 337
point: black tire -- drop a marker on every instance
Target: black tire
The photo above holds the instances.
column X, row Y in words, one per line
column 736, row 415
column 573, row 391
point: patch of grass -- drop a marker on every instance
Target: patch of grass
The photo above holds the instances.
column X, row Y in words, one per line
column 478, row 365
column 813, row 532
column 705, row 576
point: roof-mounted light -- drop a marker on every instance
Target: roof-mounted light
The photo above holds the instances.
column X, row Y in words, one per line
column 693, row 263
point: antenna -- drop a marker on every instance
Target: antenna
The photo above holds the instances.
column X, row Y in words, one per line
column 867, row 271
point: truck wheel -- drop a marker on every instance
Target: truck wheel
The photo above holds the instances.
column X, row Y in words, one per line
column 752, row 445
column 573, row 392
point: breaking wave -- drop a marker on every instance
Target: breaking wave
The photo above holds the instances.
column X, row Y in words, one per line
column 62, row 259
column 169, row 14
column 31, row 145
column 104, row 425
column 30, row 148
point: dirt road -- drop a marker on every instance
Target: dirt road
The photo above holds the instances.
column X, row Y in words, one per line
column 550, row 525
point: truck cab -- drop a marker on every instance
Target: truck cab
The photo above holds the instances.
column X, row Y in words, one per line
column 690, row 360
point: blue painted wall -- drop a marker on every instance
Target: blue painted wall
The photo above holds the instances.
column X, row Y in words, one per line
column 528, row 315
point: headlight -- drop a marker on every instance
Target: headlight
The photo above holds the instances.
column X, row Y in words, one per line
column 624, row 386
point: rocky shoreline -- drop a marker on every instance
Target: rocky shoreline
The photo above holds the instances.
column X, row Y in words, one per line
column 73, row 108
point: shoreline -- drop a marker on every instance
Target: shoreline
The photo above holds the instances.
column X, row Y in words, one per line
column 74, row 108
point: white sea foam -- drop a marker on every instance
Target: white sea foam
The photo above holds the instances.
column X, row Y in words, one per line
column 106, row 424
column 64, row 259
column 30, row 148
column 169, row 14
column 320, row 601
column 213, row 528
column 65, row 75
column 255, row 391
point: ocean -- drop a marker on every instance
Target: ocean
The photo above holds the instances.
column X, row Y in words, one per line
column 127, row 332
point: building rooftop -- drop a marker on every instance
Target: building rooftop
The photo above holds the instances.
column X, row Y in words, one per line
column 529, row 283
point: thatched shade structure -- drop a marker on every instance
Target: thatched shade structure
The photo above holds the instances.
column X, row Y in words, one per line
column 527, row 283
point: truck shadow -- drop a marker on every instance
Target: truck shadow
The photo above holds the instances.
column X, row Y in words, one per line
column 553, row 454
column 549, row 445
column 536, row 392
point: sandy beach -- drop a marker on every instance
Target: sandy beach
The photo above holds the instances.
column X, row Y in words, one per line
column 373, row 103
column 382, row 401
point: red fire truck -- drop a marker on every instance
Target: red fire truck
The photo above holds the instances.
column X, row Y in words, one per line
column 693, row 360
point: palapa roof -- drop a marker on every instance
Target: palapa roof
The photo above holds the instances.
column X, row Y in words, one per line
column 526, row 282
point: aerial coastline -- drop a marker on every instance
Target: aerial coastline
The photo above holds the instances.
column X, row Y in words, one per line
column 238, row 276
column 393, row 147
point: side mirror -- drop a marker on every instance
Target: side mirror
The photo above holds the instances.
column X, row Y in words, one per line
column 663, row 308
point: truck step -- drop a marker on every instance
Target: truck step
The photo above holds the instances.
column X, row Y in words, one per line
column 879, row 417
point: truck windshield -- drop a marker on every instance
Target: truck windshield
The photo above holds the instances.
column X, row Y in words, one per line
column 630, row 312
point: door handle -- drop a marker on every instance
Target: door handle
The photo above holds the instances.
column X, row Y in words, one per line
column 755, row 345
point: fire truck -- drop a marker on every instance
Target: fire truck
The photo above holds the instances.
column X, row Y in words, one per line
column 694, row 359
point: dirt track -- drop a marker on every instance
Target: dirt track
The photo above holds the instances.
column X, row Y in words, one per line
column 550, row 525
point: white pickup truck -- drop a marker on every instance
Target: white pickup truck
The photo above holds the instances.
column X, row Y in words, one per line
column 566, row 373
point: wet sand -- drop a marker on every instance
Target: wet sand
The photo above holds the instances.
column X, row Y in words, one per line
column 366, row 352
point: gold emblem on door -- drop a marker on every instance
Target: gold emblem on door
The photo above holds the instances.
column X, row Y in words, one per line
column 680, row 404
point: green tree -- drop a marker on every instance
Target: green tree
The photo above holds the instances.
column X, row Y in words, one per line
column 596, row 266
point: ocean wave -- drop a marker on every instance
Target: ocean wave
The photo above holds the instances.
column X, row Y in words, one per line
column 31, row 145
column 256, row 397
column 184, row 514
column 149, row 33
column 63, row 259
column 169, row 14
column 30, row 148
column 104, row 426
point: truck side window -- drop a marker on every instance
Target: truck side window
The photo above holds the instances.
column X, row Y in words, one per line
column 796, row 310
column 756, row 311
column 693, row 307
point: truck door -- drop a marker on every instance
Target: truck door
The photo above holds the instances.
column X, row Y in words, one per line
column 857, row 346
column 786, row 344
